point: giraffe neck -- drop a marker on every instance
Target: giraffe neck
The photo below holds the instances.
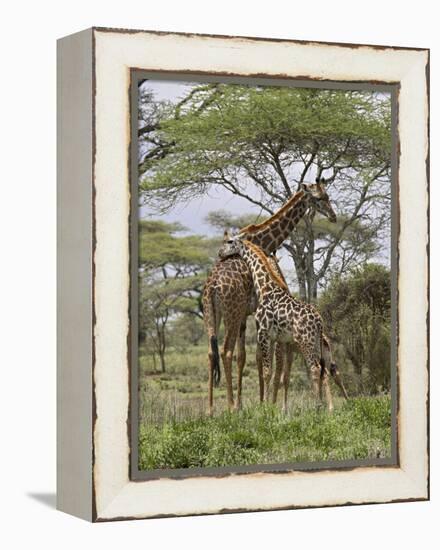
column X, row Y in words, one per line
column 264, row 277
column 276, row 267
column 270, row 234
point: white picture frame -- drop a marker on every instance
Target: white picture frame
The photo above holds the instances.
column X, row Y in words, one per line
column 94, row 208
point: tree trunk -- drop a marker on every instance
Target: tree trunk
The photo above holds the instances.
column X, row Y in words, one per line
column 300, row 277
column 162, row 350
column 161, row 345
column 308, row 262
column 312, row 288
column 162, row 361
column 302, row 288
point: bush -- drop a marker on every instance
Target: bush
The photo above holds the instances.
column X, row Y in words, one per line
column 357, row 314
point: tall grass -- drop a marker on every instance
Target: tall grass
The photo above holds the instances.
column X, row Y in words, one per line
column 262, row 434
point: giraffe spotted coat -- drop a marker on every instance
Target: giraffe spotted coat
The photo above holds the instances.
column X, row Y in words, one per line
column 282, row 318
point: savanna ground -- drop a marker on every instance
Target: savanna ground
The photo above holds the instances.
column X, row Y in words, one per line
column 175, row 431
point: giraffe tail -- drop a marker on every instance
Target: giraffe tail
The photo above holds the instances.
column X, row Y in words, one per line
column 215, row 359
column 325, row 354
column 211, row 327
column 334, row 371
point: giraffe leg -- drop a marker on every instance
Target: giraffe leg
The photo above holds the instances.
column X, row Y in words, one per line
column 241, row 361
column 210, row 385
column 211, row 319
column 213, row 369
column 318, row 374
column 266, row 355
column 259, row 361
column 227, row 354
column 280, row 349
column 267, row 373
column 286, row 374
column 315, row 374
column 324, row 387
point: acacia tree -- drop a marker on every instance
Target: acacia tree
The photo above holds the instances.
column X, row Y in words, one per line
column 172, row 271
column 260, row 143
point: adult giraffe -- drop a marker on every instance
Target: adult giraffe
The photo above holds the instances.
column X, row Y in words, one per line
column 228, row 292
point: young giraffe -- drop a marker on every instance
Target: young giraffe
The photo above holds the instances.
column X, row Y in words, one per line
column 282, row 318
column 284, row 353
column 229, row 289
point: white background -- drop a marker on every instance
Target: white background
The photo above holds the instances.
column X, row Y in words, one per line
column 27, row 300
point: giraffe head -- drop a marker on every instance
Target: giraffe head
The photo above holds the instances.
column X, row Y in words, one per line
column 270, row 234
column 319, row 199
column 232, row 245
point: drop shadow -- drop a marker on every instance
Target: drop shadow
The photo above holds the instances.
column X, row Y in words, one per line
column 48, row 499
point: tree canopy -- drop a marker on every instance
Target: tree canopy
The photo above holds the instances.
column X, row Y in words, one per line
column 172, row 272
column 259, row 143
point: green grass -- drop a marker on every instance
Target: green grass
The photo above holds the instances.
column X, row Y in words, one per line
column 175, row 431
column 262, row 434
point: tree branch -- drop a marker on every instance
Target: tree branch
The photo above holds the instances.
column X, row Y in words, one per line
column 279, row 170
column 310, row 161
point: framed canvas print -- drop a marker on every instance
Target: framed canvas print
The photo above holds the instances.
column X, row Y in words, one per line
column 242, row 274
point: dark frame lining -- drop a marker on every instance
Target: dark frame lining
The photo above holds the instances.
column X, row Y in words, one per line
column 133, row 421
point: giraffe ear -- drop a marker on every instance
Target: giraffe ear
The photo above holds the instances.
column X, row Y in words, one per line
column 226, row 235
column 321, row 181
column 303, row 187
